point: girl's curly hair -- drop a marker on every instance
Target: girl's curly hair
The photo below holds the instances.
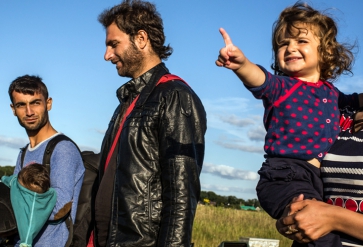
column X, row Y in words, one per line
column 334, row 58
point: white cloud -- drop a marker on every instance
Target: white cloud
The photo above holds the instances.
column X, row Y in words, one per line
column 100, row 131
column 244, row 148
column 224, row 105
column 15, row 143
column 83, row 148
column 236, row 121
column 257, row 134
column 231, row 189
column 5, row 160
column 235, row 117
column 228, row 172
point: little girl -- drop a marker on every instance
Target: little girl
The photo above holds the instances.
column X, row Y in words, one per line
column 301, row 105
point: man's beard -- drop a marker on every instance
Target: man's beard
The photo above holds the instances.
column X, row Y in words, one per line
column 132, row 61
column 36, row 126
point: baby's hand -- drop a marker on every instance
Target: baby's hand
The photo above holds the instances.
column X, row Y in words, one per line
column 63, row 211
column 230, row 56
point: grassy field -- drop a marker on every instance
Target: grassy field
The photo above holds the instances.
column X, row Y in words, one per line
column 212, row 225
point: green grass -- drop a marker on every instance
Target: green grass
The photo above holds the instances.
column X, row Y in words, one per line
column 212, row 225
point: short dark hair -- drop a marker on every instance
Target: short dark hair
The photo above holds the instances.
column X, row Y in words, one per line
column 35, row 177
column 334, row 58
column 132, row 16
column 27, row 84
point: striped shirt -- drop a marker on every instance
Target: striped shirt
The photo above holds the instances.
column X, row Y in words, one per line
column 342, row 172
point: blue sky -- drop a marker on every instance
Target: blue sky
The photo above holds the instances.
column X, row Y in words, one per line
column 62, row 42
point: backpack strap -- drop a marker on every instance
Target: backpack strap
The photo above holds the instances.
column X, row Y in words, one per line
column 46, row 161
column 170, row 77
column 69, row 224
column 23, row 151
column 48, row 150
column 50, row 147
column 163, row 79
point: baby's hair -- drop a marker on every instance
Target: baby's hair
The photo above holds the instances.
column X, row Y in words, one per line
column 35, row 177
column 334, row 58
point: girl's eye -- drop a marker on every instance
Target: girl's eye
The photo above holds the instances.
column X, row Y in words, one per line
column 282, row 44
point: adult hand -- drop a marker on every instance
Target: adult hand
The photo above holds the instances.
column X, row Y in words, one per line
column 230, row 56
column 291, row 231
column 312, row 219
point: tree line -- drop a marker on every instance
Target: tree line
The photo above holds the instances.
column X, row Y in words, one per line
column 6, row 170
column 209, row 197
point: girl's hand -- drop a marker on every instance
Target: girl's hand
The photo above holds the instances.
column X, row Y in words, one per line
column 230, row 56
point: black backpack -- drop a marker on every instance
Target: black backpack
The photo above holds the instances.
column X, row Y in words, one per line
column 7, row 217
column 80, row 231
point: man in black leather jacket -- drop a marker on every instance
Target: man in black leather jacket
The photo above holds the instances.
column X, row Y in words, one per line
column 149, row 185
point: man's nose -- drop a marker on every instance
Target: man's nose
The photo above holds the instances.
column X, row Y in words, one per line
column 108, row 54
column 29, row 110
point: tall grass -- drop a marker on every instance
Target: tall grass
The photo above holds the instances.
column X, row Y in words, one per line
column 212, row 225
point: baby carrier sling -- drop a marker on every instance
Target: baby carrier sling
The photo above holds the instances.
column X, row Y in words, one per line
column 80, row 231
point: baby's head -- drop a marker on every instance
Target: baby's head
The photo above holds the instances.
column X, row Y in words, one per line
column 333, row 58
column 34, row 177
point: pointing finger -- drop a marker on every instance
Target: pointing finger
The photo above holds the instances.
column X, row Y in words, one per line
column 226, row 38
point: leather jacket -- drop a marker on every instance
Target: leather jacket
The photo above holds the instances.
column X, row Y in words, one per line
column 159, row 160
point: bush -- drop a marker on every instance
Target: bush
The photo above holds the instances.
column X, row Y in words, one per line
column 6, row 170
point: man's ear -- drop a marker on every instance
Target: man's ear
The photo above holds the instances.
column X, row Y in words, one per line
column 13, row 109
column 141, row 39
column 49, row 103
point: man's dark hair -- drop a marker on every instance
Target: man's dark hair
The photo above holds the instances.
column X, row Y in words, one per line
column 132, row 16
column 35, row 177
column 27, row 84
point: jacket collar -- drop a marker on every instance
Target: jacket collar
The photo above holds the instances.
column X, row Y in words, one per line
column 144, row 83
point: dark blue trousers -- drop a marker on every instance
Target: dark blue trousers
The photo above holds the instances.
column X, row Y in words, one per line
column 282, row 179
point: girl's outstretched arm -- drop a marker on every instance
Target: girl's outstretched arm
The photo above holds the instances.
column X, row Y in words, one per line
column 233, row 58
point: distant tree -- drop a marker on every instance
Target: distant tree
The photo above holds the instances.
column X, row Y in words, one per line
column 253, row 202
column 222, row 200
column 6, row 170
column 241, row 202
column 232, row 200
column 212, row 196
column 203, row 195
column 227, row 201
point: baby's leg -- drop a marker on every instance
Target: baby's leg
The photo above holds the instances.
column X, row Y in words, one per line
column 282, row 179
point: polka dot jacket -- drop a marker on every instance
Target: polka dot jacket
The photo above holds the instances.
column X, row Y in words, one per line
column 301, row 118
